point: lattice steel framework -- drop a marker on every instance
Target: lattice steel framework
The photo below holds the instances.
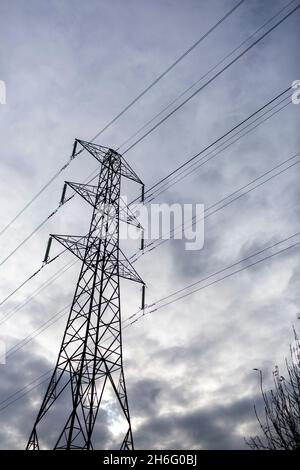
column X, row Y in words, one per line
column 90, row 357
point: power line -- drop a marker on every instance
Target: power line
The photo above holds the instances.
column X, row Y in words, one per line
column 39, row 330
column 124, row 110
column 223, row 277
column 198, row 164
column 30, row 277
column 227, row 200
column 26, row 239
column 177, row 98
column 216, row 141
column 163, row 74
column 37, row 195
column 233, row 273
column 211, row 79
column 43, row 286
column 25, row 393
column 214, row 153
column 24, row 388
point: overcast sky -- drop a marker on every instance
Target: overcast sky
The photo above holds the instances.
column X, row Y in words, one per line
column 69, row 68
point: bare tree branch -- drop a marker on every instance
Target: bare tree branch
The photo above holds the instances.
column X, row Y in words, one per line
column 280, row 424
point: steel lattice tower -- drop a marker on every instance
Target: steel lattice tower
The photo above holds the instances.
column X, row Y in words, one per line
column 90, row 357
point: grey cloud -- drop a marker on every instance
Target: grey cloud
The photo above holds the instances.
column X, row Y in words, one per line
column 203, row 429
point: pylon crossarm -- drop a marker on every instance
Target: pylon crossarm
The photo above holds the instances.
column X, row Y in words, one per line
column 128, row 172
column 101, row 154
column 87, row 191
column 77, row 244
column 126, row 215
column 126, row 269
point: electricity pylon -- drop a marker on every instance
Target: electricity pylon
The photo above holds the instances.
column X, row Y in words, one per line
column 90, row 358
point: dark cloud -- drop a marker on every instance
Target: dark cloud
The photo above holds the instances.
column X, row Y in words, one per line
column 209, row 428
column 144, row 395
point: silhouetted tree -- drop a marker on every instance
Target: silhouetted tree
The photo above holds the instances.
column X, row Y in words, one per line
column 280, row 424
